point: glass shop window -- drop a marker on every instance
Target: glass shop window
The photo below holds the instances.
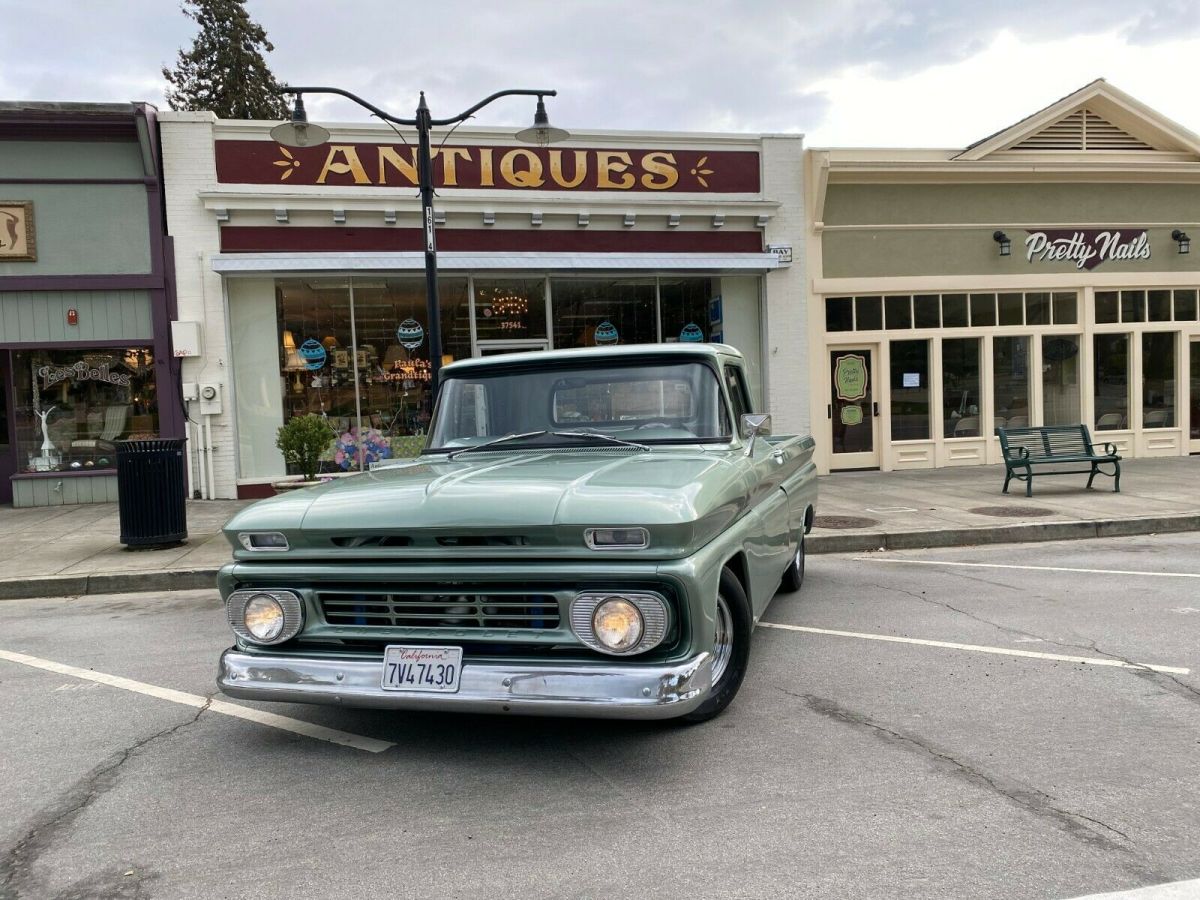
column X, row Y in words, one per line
column 686, row 314
column 1107, row 308
column 954, row 310
column 508, row 310
column 1037, row 309
column 960, row 387
column 1110, row 385
column 1010, row 382
column 1012, row 309
column 899, row 312
column 983, row 310
column 1133, row 306
column 868, row 313
column 590, row 313
column 1065, row 308
column 1159, row 305
column 1158, row 379
column 839, row 314
column 1185, row 306
column 910, row 390
column 926, row 310
column 1060, row 379
column 72, row 405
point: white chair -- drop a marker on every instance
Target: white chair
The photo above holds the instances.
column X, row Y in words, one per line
column 1108, row 422
column 1156, row 418
column 967, row 426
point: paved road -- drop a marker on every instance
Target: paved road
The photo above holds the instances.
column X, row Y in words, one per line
column 848, row 767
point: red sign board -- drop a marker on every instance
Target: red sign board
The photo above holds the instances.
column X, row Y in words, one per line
column 505, row 168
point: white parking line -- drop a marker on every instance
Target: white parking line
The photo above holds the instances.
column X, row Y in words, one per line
column 1175, row 890
column 978, row 648
column 970, row 565
column 222, row 707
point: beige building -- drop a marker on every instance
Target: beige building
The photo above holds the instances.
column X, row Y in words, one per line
column 1043, row 275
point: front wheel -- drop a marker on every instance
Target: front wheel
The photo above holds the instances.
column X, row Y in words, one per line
column 731, row 648
column 794, row 576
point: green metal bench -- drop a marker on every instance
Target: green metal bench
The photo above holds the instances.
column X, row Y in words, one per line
column 1047, row 447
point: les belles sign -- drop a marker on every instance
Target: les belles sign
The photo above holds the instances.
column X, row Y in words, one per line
column 520, row 168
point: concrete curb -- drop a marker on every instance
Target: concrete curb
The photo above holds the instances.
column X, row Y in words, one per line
column 853, row 542
column 1016, row 533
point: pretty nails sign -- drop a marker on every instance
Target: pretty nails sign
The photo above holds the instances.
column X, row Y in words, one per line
column 1086, row 248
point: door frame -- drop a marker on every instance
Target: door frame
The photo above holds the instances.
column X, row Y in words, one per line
column 1193, row 402
column 864, row 459
column 8, row 443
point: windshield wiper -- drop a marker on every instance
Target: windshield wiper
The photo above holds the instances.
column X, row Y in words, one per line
column 608, row 438
column 494, row 441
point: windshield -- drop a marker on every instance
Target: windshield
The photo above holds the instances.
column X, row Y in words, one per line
column 677, row 402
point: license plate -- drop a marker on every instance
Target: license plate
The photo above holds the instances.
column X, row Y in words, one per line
column 433, row 670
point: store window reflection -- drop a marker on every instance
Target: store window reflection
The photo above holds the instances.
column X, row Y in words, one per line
column 1010, row 376
column 910, row 390
column 1060, row 379
column 960, row 387
column 1158, row 379
column 510, row 309
column 73, row 405
column 1111, row 383
column 591, row 313
column 686, row 312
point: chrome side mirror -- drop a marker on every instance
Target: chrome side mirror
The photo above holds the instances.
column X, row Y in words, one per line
column 753, row 425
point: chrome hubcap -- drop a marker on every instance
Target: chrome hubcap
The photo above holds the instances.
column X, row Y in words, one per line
column 723, row 645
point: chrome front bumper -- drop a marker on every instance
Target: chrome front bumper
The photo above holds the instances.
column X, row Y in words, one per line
column 614, row 691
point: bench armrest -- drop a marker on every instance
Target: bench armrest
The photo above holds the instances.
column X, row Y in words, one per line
column 1110, row 449
column 1014, row 453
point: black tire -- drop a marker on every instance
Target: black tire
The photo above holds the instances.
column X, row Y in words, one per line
column 793, row 578
column 728, row 682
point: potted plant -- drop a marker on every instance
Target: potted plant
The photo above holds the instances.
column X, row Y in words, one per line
column 302, row 440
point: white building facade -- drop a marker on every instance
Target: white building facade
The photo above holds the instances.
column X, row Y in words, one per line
column 303, row 270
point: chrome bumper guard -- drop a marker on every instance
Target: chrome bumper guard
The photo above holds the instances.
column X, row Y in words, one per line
column 603, row 691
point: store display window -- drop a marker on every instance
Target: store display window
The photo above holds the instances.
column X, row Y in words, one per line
column 74, row 404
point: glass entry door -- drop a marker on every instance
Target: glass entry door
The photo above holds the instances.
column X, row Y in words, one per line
column 853, row 408
column 1194, row 403
column 8, row 460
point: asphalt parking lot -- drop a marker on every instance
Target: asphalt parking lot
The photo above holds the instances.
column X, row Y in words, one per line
column 1013, row 721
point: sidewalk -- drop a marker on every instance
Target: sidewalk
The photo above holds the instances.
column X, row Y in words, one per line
column 71, row 550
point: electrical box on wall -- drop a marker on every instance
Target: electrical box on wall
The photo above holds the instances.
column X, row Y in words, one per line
column 185, row 338
column 210, row 399
column 191, row 390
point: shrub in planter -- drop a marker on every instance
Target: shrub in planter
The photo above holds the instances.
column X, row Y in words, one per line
column 302, row 441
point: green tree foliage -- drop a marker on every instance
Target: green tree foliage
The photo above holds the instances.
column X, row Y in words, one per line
column 225, row 71
column 302, row 441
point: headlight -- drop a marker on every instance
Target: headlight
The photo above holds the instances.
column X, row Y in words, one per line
column 620, row 623
column 617, row 624
column 265, row 617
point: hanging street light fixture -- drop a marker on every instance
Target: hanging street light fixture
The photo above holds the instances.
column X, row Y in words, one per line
column 299, row 132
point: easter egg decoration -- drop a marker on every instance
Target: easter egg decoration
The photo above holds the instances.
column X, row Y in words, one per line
column 606, row 333
column 410, row 334
column 313, row 354
column 692, row 333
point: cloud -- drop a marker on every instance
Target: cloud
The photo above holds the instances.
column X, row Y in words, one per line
column 739, row 65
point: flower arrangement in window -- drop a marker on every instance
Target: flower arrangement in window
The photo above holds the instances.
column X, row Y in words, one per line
column 375, row 447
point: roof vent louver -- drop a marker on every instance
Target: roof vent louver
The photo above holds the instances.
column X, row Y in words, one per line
column 1082, row 130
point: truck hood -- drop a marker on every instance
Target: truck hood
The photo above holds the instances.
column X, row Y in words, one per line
column 517, row 490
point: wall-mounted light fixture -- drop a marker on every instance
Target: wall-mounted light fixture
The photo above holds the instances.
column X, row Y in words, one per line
column 1181, row 238
column 1005, row 244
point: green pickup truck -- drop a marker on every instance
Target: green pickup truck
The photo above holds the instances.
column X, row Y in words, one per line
column 587, row 532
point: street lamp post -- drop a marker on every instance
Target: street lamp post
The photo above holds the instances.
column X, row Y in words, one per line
column 300, row 133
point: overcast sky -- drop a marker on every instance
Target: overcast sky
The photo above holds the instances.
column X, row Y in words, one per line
column 843, row 72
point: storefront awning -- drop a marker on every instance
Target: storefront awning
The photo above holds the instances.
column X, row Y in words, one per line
column 265, row 263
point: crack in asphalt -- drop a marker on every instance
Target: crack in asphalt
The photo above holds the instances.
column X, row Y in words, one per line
column 1029, row 799
column 16, row 862
column 1173, row 684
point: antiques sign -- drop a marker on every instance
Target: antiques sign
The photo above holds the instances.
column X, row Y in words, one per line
column 1086, row 248
column 17, row 242
column 519, row 168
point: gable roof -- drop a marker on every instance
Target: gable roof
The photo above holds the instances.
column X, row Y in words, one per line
column 1097, row 117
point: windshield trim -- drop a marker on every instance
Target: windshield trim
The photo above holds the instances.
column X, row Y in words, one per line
column 500, row 368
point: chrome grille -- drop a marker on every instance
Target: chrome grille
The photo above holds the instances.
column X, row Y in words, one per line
column 417, row 610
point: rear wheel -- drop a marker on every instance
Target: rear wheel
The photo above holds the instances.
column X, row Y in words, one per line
column 730, row 650
column 794, row 576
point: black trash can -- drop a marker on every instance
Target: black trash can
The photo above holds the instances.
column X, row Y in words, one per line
column 151, row 491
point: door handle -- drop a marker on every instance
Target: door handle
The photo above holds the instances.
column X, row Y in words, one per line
column 875, row 409
column 829, row 410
